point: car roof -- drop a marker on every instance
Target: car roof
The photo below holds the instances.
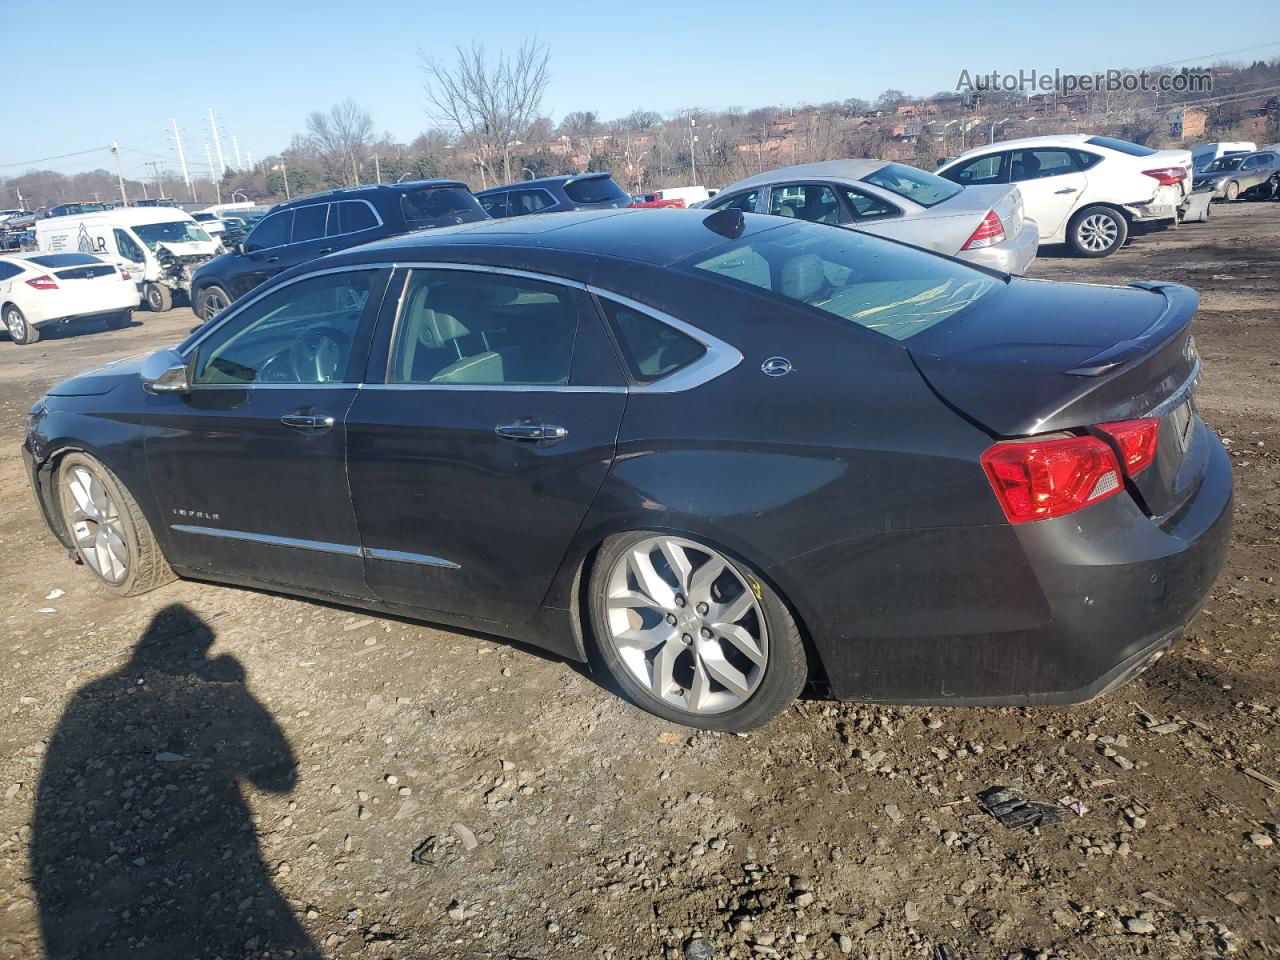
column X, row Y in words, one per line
column 854, row 169
column 546, row 181
column 363, row 192
column 621, row 234
column 125, row 215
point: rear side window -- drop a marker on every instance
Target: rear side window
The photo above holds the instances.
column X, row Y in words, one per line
column 894, row 290
column 915, row 185
column 653, row 349
column 354, row 216
column 494, row 204
column 1086, row 159
column 866, row 207
column 439, row 207
column 988, row 169
column 9, row 270
column 308, row 222
column 1038, row 164
column 1121, row 146
column 595, row 190
column 529, row 201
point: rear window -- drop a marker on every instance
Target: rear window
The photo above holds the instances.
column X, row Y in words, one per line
column 595, row 190
column 652, row 348
column 894, row 290
column 926, row 189
column 1122, row 146
column 62, row 259
column 439, row 207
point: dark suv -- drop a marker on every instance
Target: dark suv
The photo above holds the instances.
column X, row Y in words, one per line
column 582, row 191
column 309, row 227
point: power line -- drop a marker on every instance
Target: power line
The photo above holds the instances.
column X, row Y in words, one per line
column 62, row 156
column 1224, row 53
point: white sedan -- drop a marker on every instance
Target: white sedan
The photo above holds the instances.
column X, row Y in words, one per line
column 1085, row 191
column 39, row 289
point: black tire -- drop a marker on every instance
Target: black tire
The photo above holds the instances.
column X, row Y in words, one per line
column 1232, row 192
column 210, row 302
column 147, row 568
column 1086, row 226
column 118, row 321
column 20, row 332
column 785, row 670
column 159, row 298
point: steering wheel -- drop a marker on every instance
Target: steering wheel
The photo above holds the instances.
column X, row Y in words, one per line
column 317, row 356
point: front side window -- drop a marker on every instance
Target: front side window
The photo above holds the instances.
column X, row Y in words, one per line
column 171, row 231
column 1038, row 164
column 439, row 207
column 915, row 185
column 488, row 329
column 596, row 190
column 746, row 202
column 805, row 201
column 653, row 349
column 894, row 290
column 272, row 231
column 308, row 222
column 986, row 169
column 300, row 333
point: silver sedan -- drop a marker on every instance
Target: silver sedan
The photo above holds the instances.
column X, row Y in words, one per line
column 982, row 224
column 1239, row 174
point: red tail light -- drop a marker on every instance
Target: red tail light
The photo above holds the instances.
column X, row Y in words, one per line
column 1167, row 176
column 1136, row 440
column 124, row 274
column 1039, row 479
column 989, row 232
column 44, row 282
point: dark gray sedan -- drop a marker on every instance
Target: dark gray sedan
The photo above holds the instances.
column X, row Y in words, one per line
column 1238, row 175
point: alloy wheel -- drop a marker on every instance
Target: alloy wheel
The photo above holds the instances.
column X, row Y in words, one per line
column 214, row 303
column 1097, row 232
column 16, row 324
column 686, row 625
column 95, row 523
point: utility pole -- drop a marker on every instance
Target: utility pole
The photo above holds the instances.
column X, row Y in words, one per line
column 377, row 169
column 115, row 150
column 217, row 186
column 217, row 143
column 284, row 170
column 22, row 204
column 693, row 161
column 235, row 147
column 248, row 158
column 182, row 160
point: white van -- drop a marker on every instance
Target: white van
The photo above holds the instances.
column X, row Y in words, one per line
column 1205, row 153
column 161, row 246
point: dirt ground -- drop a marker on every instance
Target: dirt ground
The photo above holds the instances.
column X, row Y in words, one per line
column 212, row 772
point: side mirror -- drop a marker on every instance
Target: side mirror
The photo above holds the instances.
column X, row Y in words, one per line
column 165, row 372
column 237, row 248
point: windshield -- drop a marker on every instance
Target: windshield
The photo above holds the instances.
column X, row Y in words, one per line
column 171, row 231
column 595, row 190
column 439, row 207
column 1225, row 163
column 894, row 290
column 912, row 184
column 1122, row 146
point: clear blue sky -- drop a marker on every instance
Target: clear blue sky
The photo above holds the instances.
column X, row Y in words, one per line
column 97, row 71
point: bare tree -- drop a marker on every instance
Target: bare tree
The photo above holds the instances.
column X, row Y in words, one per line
column 641, row 119
column 491, row 102
column 338, row 138
column 580, row 123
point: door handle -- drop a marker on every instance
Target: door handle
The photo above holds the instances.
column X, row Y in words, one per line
column 311, row 423
column 532, row 432
column 273, row 259
column 325, row 250
column 1067, row 190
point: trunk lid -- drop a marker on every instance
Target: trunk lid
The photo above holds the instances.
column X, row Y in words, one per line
column 1043, row 357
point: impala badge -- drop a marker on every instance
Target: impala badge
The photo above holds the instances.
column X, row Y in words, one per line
column 776, row 367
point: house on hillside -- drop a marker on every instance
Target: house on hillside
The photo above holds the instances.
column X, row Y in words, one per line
column 1187, row 123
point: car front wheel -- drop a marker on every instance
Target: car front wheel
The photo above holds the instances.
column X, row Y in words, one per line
column 20, row 332
column 159, row 298
column 1232, row 192
column 691, row 635
column 1097, row 231
column 110, row 533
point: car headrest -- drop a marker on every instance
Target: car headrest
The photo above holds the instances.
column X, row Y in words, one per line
column 438, row 329
column 803, row 277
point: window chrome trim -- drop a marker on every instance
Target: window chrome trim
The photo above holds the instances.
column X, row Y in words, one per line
column 318, row 546
column 719, row 358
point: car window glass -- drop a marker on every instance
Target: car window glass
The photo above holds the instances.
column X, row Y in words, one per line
column 308, row 222
column 653, row 349
column 866, row 207
column 9, row 270
column 805, row 201
column 1085, row 159
column 127, row 247
column 1038, row 164
column 986, row 169
column 272, row 231
column 299, row 333
column 438, row 207
column 926, row 189
column 528, row 201
column 494, row 204
column 354, row 216
column 457, row 327
column 595, row 190
column 746, row 202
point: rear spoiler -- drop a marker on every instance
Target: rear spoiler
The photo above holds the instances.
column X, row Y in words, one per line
column 1180, row 303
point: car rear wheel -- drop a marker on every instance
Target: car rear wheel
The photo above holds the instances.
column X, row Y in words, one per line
column 210, row 302
column 1232, row 192
column 111, row 535
column 692, row 635
column 159, row 298
column 1097, row 231
column 20, row 332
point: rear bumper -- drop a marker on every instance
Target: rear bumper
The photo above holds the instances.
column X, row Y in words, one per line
column 1011, row 255
column 1163, row 206
column 1052, row 612
column 118, row 301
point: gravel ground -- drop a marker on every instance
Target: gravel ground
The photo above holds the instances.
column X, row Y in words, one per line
column 209, row 772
